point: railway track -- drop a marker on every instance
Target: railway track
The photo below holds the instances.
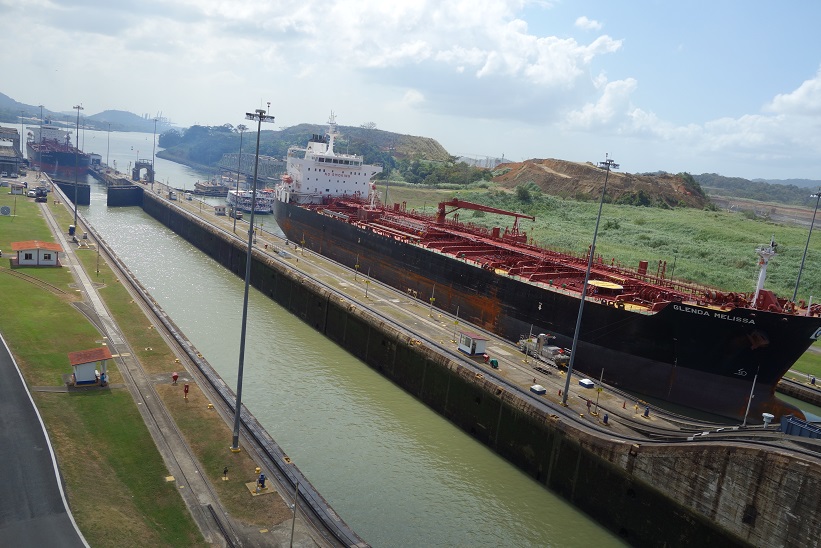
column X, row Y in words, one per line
column 32, row 280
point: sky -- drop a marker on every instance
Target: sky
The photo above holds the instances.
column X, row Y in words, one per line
column 730, row 87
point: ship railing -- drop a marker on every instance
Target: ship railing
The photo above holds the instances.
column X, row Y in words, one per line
column 565, row 257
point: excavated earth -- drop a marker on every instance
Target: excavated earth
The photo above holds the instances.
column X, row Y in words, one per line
column 584, row 181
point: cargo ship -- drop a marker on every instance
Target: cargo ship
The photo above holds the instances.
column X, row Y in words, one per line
column 50, row 150
column 650, row 334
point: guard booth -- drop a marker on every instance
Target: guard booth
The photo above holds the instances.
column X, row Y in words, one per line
column 89, row 366
column 472, row 344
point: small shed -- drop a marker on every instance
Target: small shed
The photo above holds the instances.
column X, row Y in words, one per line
column 90, row 365
column 36, row 253
column 219, row 209
column 18, row 188
column 472, row 344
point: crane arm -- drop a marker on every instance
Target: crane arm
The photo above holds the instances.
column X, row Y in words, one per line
column 461, row 204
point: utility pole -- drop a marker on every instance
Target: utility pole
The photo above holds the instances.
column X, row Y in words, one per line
column 76, row 160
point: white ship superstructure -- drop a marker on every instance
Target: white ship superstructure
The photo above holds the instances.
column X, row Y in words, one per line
column 317, row 171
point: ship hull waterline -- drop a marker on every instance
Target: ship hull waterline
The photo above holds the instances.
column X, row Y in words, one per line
column 691, row 356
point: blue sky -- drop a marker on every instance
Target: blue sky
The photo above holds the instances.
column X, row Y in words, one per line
column 731, row 87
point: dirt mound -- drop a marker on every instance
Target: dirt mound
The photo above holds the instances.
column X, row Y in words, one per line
column 585, row 181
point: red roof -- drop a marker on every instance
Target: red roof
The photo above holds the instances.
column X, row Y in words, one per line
column 35, row 244
column 88, row 356
column 474, row 336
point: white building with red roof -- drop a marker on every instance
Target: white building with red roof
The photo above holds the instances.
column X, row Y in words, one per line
column 89, row 365
column 36, row 253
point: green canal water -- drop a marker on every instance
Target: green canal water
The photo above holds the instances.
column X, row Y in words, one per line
column 396, row 472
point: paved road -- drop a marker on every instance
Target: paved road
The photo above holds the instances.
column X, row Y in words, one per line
column 33, row 507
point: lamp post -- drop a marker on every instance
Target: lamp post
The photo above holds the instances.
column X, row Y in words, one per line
column 108, row 146
column 41, row 117
column 153, row 148
column 607, row 165
column 260, row 116
column 21, row 136
column 241, row 129
column 76, row 161
column 817, row 197
column 293, row 520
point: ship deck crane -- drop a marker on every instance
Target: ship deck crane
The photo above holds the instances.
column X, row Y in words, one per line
column 462, row 204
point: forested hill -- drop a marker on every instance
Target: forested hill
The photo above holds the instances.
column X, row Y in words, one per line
column 718, row 185
column 205, row 145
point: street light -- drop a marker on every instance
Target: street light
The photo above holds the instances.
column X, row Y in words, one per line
column 153, row 148
column 260, row 116
column 607, row 165
column 76, row 161
column 817, row 197
column 241, row 128
column 108, row 146
column 21, row 137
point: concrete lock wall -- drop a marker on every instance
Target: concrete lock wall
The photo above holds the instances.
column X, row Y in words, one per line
column 122, row 196
column 651, row 495
column 83, row 191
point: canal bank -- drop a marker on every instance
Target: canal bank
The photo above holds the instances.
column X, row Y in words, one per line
column 710, row 493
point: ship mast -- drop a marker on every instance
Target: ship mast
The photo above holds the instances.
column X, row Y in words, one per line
column 331, row 134
column 765, row 254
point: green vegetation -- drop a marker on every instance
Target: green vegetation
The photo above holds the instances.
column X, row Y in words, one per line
column 439, row 174
column 205, row 145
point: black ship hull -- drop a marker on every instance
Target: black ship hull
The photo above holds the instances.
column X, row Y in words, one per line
column 59, row 164
column 704, row 358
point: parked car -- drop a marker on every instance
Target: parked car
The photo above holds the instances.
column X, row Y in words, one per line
column 31, row 194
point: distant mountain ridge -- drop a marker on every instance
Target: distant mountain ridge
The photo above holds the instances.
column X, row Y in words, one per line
column 805, row 183
column 123, row 119
column 120, row 120
column 758, row 190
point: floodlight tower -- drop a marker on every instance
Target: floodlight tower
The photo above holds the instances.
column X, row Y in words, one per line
column 260, row 116
column 607, row 165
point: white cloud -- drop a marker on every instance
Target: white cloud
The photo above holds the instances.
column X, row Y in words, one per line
column 610, row 110
column 588, row 24
column 806, row 100
column 412, row 98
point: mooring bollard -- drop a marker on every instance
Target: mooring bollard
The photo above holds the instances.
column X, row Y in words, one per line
column 605, row 418
column 647, row 412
